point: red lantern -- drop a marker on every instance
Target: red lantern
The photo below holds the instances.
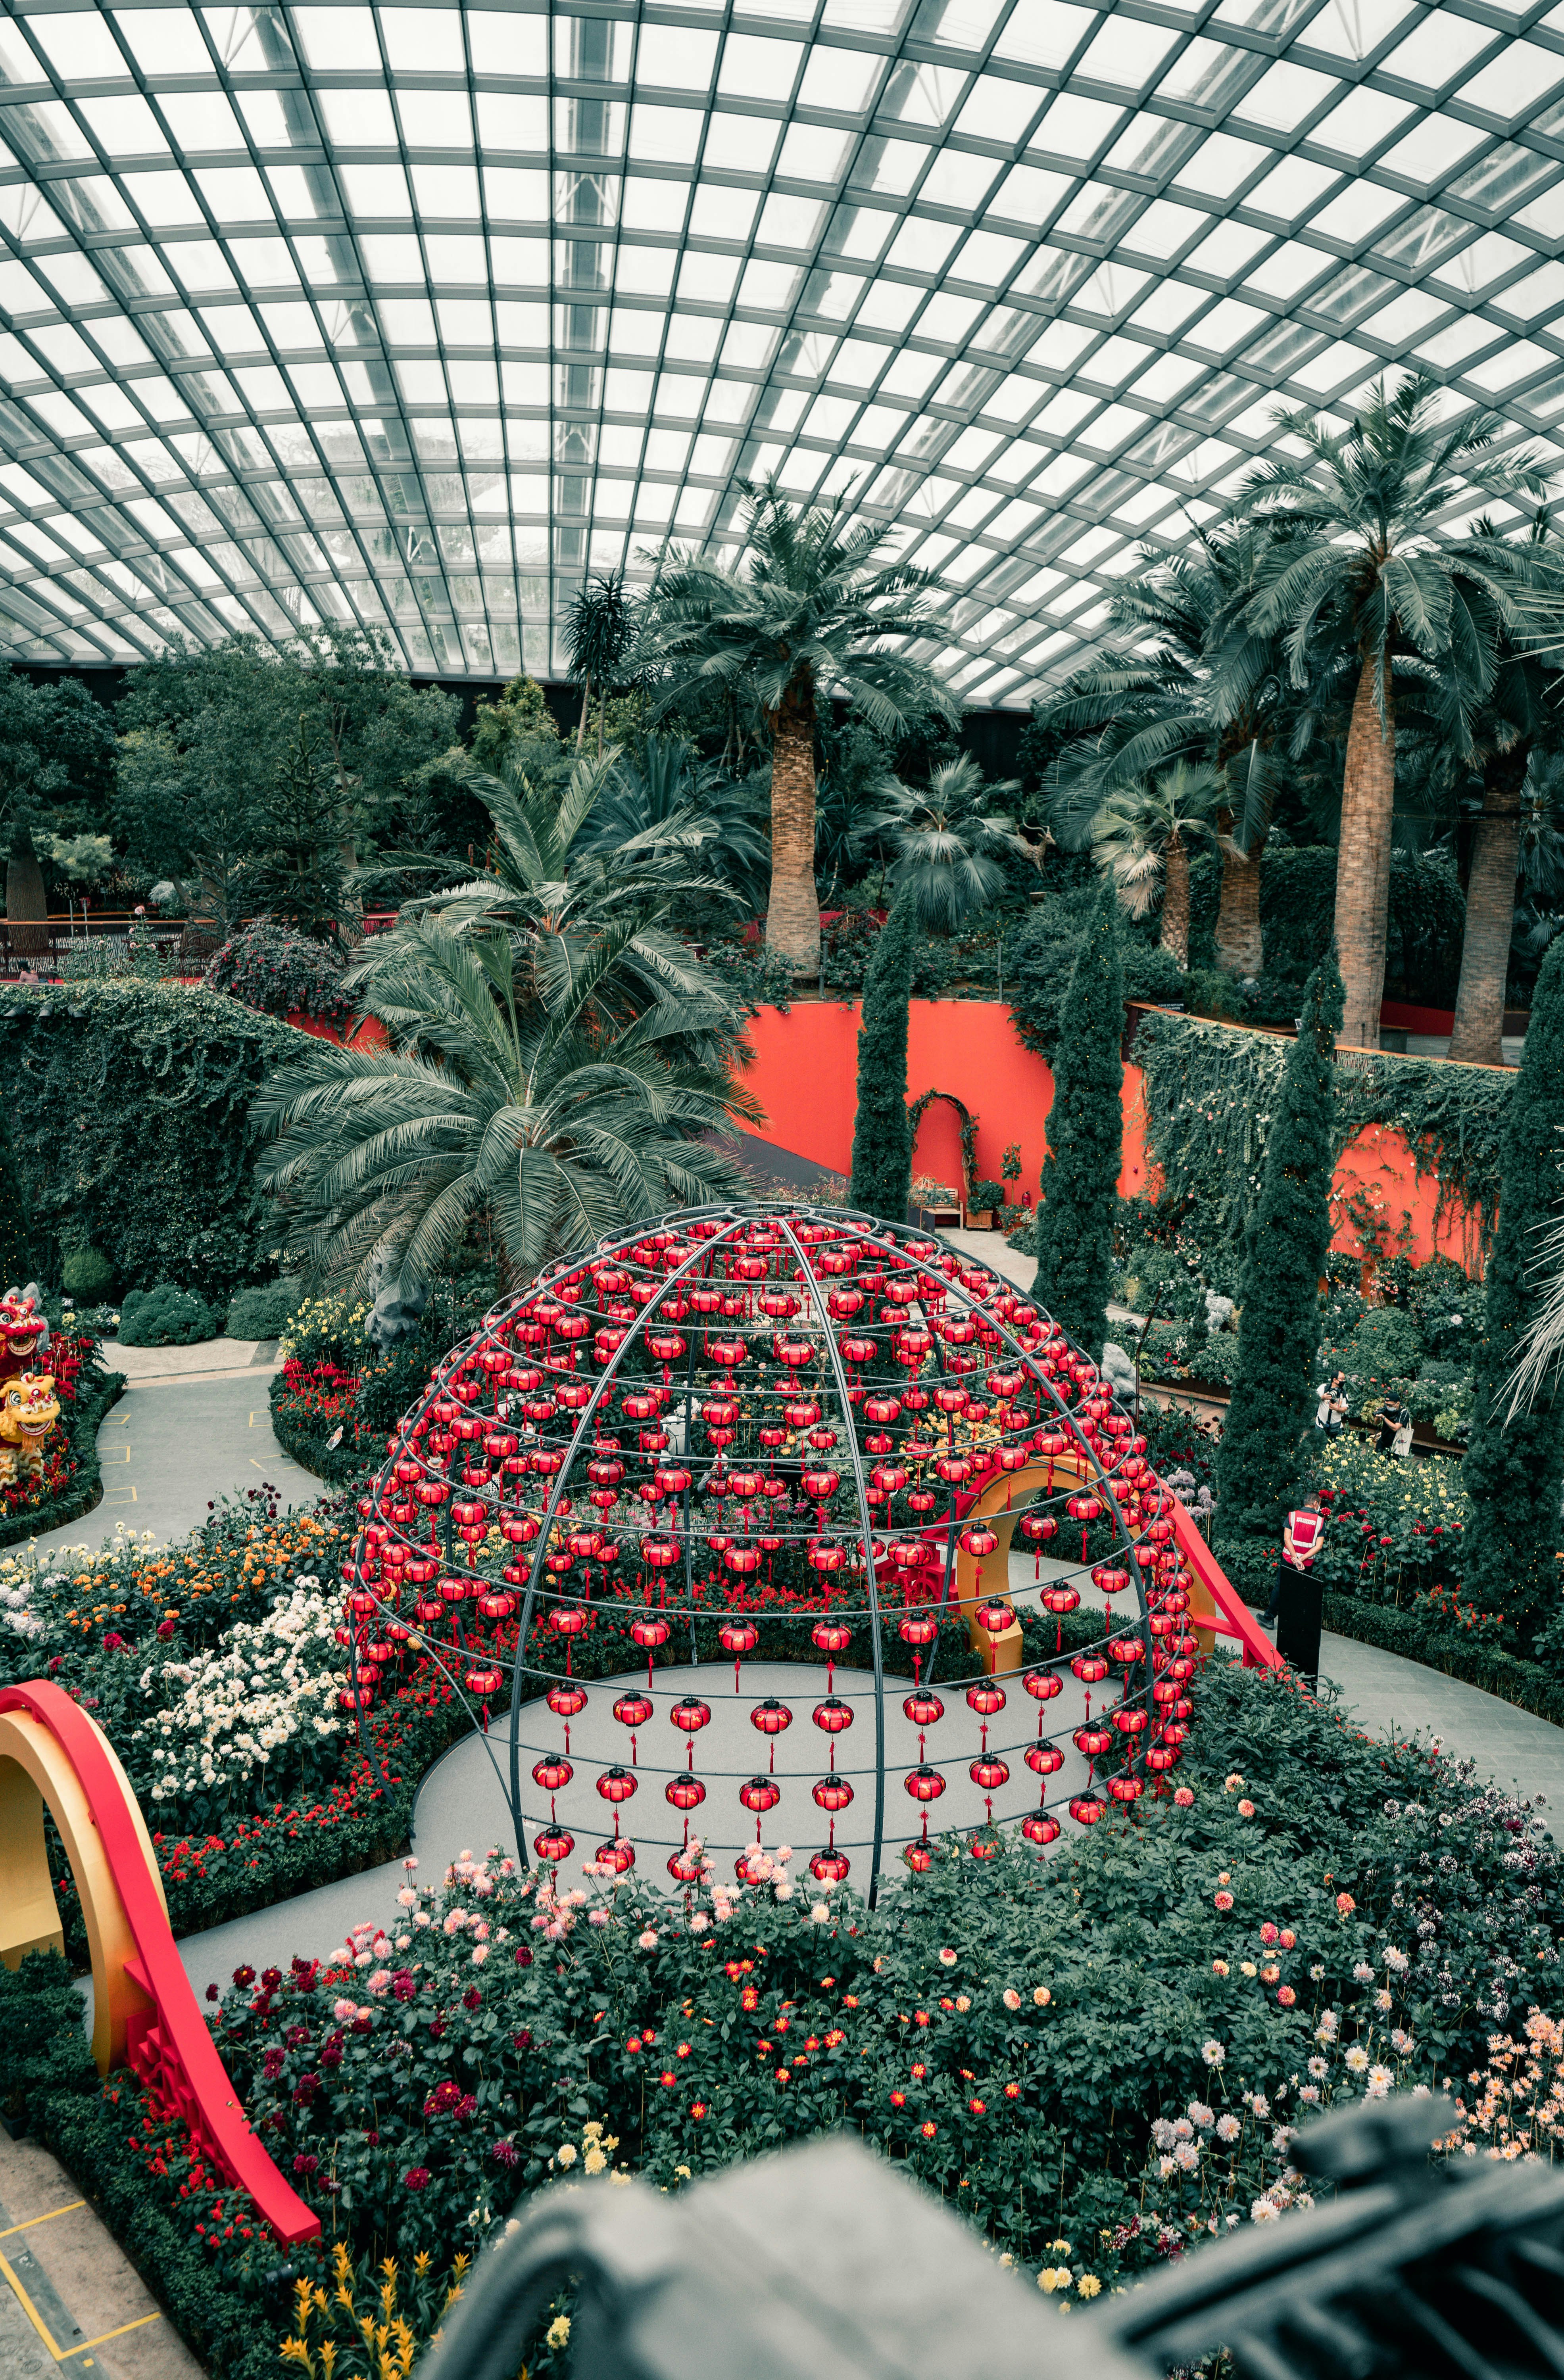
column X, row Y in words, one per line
column 923, row 1707
column 1060, row 1600
column 771, row 1717
column 1126, row 1788
column 649, row 1631
column 552, row 1843
column 986, row 1699
column 831, row 1715
column 925, row 1784
column 1044, row 1759
column 1042, row 1684
column 690, row 1714
column 566, row 1619
column 919, row 1629
column 829, row 1867
column 1086, row 1809
column 632, row 1709
column 616, row 1785
column 990, row 1772
column 831, row 1635
column 685, row 1792
column 1038, row 1828
column 565, row 1698
column 1089, row 1667
column 1093, row 1740
column 761, row 1794
column 995, row 1617
column 553, row 1772
column 737, row 1636
column 833, row 1793
column 620, row 1855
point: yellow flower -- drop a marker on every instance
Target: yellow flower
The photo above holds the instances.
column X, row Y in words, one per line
column 558, row 2330
column 1089, row 2286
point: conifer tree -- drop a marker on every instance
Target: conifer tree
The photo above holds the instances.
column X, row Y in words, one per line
column 1279, row 1319
column 882, row 1131
column 1074, row 1226
column 1512, row 1467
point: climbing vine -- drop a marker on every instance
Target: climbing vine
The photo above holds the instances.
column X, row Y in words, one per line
column 127, row 1109
column 968, row 1124
column 1211, row 1091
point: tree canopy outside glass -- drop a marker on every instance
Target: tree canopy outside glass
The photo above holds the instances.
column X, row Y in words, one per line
column 414, row 316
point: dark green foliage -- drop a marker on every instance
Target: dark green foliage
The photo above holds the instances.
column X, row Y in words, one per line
column 263, row 1313
column 295, row 872
column 1044, row 959
column 127, row 1109
column 1074, row 1226
column 1273, row 1393
column 86, row 1273
column 882, row 1134
column 282, row 973
column 1427, row 918
column 1513, row 1464
column 165, row 1316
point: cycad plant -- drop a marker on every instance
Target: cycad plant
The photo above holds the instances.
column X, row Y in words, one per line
column 501, row 1102
column 1142, row 837
column 1361, row 570
column 599, row 630
column 811, row 610
column 949, row 852
column 670, row 797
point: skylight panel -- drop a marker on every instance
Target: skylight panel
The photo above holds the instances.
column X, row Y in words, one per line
column 425, row 41
column 1285, row 97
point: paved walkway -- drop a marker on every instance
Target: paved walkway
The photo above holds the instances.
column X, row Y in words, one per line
column 69, row 2297
column 169, row 1448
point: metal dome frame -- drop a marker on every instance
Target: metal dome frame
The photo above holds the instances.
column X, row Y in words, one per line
column 812, row 1255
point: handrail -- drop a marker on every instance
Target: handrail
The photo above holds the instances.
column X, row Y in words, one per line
column 145, row 2011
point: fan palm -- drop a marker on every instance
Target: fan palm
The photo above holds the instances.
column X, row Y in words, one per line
column 949, row 852
column 491, row 1106
column 1181, row 678
column 808, row 611
column 1142, row 837
column 599, row 629
column 669, row 792
column 1361, row 570
column 557, row 890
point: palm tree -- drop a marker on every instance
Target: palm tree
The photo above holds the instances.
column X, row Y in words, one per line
column 949, row 851
column 1180, row 677
column 599, row 630
column 807, row 612
column 500, row 1102
column 1503, row 736
column 1361, row 570
column 675, row 799
column 558, row 891
column 1141, row 838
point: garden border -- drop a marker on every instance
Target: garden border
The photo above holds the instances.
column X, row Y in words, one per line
column 87, row 1417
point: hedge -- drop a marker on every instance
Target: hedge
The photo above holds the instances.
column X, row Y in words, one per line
column 128, row 1119
column 86, row 1416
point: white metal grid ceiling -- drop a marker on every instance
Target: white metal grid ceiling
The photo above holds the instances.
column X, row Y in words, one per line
column 414, row 315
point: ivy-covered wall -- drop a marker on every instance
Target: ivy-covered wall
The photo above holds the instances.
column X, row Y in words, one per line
column 1209, row 1092
column 126, row 1109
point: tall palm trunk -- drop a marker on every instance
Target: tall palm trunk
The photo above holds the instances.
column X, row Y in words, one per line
column 1490, row 915
column 27, row 907
column 586, row 706
column 1176, row 902
column 1363, row 865
column 792, row 919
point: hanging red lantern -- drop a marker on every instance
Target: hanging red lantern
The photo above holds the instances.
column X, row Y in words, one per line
column 1042, row 1684
column 1161, row 1757
column 990, row 1772
column 995, row 1617
column 829, row 1867
column 1093, row 1740
column 1060, row 1600
column 832, row 1716
column 620, row 1855
column 1089, row 1667
column 831, row 1636
column 771, row 1717
column 924, row 1708
column 616, row 1785
column 918, row 1628
column 979, row 1542
column 1044, row 1759
column 684, row 1866
column 760, row 1794
column 649, row 1631
column 918, row 1857
column 566, row 1699
column 739, row 1636
column 553, row 1772
column 1129, row 1721
column 1126, row 1788
column 632, row 1709
column 552, row 1843
column 685, row 1792
column 1086, row 1809
column 566, row 1619
column 986, row 1699
column 1038, row 1828
column 925, row 1783
column 832, row 1793
column 690, row 1714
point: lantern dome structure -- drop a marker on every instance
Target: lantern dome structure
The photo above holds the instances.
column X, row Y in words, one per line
column 779, row 1519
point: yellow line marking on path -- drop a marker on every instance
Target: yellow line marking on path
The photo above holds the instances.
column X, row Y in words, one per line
column 34, row 2317
column 104, row 2337
column 58, row 2353
column 43, row 2218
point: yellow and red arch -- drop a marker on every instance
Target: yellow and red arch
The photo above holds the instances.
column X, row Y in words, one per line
column 145, row 2015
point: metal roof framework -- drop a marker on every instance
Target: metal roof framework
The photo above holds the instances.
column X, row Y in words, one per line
column 414, row 316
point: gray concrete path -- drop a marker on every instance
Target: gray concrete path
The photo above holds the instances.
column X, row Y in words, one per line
column 1382, row 1693
column 168, row 1450
column 69, row 2297
column 208, row 1356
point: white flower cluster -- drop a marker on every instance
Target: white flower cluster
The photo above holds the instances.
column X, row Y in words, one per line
column 268, row 1683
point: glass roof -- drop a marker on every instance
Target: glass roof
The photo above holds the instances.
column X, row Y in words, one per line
column 415, row 315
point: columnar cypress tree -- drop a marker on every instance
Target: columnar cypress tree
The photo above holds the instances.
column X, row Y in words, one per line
column 1074, row 1226
column 1279, row 1324
column 1512, row 1468
column 882, row 1133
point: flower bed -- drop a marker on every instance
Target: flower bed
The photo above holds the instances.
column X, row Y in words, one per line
column 72, row 1478
column 1323, row 1918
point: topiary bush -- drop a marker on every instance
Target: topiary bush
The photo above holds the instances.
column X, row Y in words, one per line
column 264, row 1312
column 165, row 1316
column 281, row 972
column 86, row 1272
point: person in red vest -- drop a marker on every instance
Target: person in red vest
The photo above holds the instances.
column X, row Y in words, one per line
column 1299, row 1594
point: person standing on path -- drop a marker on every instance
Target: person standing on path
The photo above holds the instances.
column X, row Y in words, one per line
column 1393, row 1417
column 1330, row 1413
column 1298, row 1598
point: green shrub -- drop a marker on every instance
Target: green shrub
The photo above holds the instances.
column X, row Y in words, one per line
column 127, row 1121
column 1045, row 952
column 165, row 1316
column 263, row 1313
column 987, row 1194
column 1386, row 1345
column 276, row 970
column 1427, row 917
column 86, row 1272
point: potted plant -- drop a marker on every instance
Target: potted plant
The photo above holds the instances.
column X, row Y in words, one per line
column 987, row 1202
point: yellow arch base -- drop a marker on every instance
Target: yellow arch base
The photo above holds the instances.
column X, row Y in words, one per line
column 1000, row 1502
column 35, row 1768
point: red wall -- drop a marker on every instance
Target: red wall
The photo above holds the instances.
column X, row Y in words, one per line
column 805, row 1076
